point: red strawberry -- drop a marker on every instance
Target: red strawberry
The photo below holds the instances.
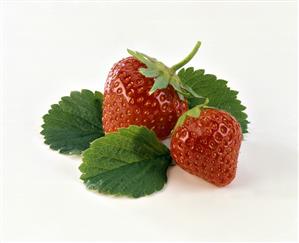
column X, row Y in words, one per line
column 206, row 143
column 143, row 91
column 128, row 102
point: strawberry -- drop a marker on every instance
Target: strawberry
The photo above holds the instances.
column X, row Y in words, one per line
column 128, row 102
column 143, row 91
column 206, row 143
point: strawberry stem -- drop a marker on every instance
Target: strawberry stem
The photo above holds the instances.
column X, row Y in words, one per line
column 206, row 102
column 187, row 58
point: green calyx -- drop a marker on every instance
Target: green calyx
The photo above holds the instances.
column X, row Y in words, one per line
column 193, row 112
column 194, row 86
column 164, row 75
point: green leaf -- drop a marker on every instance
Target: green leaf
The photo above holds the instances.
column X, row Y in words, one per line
column 216, row 90
column 130, row 162
column 72, row 124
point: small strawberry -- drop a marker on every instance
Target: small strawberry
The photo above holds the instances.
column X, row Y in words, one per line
column 206, row 143
column 143, row 91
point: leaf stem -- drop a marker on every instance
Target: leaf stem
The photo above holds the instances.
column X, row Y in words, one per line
column 187, row 58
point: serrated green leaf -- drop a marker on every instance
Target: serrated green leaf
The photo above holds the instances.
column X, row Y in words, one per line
column 130, row 162
column 216, row 90
column 72, row 124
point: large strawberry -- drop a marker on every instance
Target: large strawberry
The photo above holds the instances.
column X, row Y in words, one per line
column 206, row 143
column 143, row 91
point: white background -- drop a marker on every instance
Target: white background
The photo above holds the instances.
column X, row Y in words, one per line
column 52, row 48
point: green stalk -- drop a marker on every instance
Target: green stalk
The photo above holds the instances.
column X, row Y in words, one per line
column 187, row 58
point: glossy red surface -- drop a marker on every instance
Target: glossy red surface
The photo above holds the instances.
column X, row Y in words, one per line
column 208, row 146
column 127, row 101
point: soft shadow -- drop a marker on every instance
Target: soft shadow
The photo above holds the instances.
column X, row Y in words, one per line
column 258, row 164
column 180, row 179
column 261, row 163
